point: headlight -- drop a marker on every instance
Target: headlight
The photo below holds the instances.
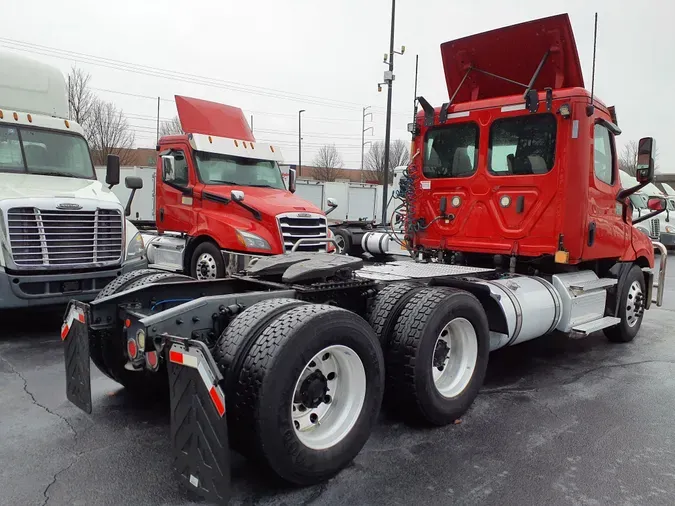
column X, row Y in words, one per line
column 252, row 241
column 670, row 229
column 135, row 248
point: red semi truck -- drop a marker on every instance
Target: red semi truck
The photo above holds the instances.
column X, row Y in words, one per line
column 519, row 225
column 220, row 199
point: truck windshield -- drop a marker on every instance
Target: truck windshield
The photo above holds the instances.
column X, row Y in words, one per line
column 44, row 152
column 235, row 170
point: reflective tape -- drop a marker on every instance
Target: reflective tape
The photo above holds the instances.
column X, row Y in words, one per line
column 189, row 360
column 74, row 314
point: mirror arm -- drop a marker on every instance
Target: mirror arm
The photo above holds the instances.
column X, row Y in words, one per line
column 647, row 216
column 331, row 210
column 127, row 209
column 627, row 192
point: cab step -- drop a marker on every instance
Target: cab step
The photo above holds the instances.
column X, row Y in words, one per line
column 590, row 286
column 588, row 328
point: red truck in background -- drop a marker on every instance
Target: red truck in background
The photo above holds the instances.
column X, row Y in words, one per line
column 220, row 198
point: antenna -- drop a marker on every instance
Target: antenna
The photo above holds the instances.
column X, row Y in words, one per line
column 417, row 61
column 590, row 109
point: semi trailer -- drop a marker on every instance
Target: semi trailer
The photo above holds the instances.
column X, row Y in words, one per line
column 517, row 225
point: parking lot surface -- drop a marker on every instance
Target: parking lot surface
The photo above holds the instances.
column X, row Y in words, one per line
column 559, row 421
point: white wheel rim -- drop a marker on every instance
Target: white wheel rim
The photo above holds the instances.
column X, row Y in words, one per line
column 634, row 304
column 455, row 357
column 340, row 241
column 206, row 267
column 329, row 422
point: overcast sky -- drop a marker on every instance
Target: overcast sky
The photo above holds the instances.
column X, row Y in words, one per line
column 273, row 58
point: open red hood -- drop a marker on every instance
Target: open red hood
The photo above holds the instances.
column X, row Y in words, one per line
column 513, row 52
column 268, row 201
column 211, row 118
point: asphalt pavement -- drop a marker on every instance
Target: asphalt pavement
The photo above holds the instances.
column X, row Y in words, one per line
column 559, row 421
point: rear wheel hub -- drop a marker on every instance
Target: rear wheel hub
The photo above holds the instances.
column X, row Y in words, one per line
column 313, row 390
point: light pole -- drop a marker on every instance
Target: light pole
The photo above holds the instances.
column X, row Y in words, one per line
column 300, row 141
column 389, row 81
column 364, row 130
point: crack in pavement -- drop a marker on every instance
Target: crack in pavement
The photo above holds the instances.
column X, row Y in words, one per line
column 56, row 476
column 35, row 401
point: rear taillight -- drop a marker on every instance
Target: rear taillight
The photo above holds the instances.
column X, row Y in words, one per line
column 151, row 360
column 132, row 349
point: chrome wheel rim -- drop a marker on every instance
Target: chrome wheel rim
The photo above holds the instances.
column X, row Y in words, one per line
column 634, row 304
column 328, row 397
column 455, row 356
column 206, row 267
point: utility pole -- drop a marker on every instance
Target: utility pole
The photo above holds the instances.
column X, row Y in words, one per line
column 158, row 100
column 389, row 81
column 363, row 132
column 300, row 141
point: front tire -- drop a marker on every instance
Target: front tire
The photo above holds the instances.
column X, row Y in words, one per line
column 287, row 415
column 207, row 262
column 631, row 308
column 437, row 356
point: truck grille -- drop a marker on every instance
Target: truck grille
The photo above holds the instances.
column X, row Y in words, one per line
column 655, row 228
column 62, row 239
column 296, row 226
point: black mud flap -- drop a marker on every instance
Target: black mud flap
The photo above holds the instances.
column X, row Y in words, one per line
column 75, row 336
column 201, row 454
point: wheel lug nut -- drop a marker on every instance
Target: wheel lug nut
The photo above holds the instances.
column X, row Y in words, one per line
column 297, row 424
column 327, row 399
column 313, row 418
column 331, row 376
column 302, row 408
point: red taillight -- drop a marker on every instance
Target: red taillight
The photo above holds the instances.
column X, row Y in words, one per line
column 151, row 359
column 132, row 348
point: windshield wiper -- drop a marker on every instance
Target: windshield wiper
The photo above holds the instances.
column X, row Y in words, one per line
column 58, row 174
column 262, row 186
column 222, row 181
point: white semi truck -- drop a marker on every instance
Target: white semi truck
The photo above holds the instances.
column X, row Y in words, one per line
column 63, row 234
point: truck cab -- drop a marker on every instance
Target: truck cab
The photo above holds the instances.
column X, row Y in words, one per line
column 223, row 193
column 517, row 171
column 63, row 234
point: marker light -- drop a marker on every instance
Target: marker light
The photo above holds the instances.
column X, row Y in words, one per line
column 456, row 201
column 505, row 201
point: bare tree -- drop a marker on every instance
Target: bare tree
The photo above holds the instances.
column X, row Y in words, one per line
column 374, row 161
column 109, row 133
column 628, row 158
column 171, row 127
column 327, row 163
column 81, row 100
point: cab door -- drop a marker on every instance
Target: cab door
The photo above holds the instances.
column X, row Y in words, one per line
column 606, row 233
column 174, row 204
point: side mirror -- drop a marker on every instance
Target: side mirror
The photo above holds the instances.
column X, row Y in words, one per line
column 292, row 179
column 168, row 168
column 237, row 195
column 133, row 182
column 112, row 171
column 331, row 202
column 645, row 160
column 656, row 203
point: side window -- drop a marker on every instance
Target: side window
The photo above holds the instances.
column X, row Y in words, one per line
column 603, row 155
column 11, row 158
column 182, row 177
column 522, row 145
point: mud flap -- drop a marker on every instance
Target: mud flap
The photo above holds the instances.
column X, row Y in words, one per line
column 75, row 336
column 201, row 454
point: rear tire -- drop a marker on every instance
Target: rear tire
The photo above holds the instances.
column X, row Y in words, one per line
column 207, row 262
column 96, row 337
column 112, row 344
column 632, row 292
column 272, row 384
column 438, row 355
column 344, row 241
column 387, row 306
